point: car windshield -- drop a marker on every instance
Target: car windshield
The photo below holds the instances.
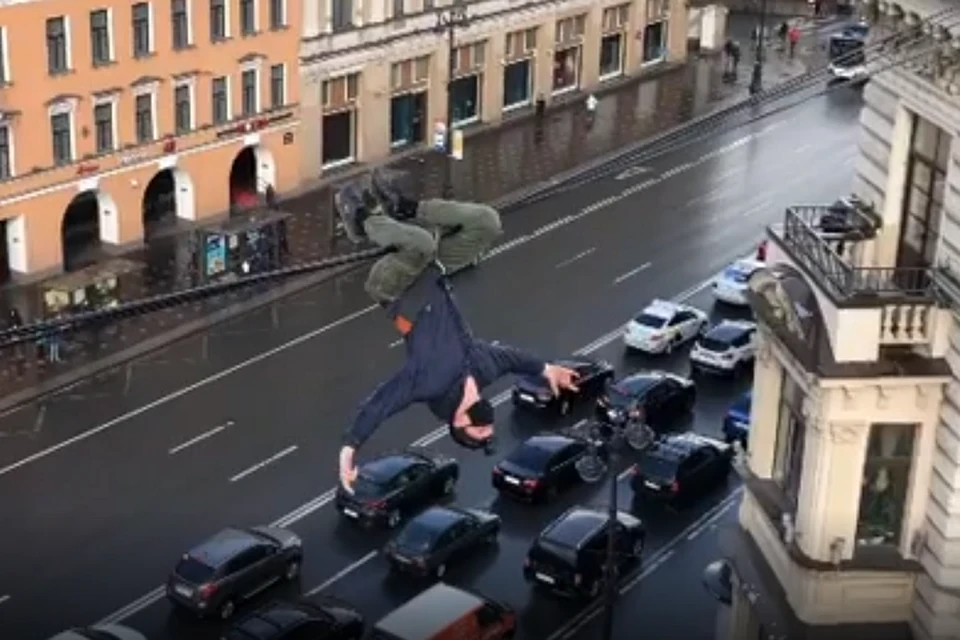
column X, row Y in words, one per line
column 737, row 273
column 367, row 487
column 655, row 467
column 712, row 344
column 416, row 537
column 193, row 571
column 651, row 321
column 530, row 457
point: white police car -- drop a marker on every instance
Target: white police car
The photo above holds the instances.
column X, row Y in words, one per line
column 664, row 325
column 727, row 346
column 731, row 285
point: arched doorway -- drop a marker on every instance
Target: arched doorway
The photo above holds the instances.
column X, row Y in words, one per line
column 80, row 232
column 169, row 195
column 253, row 170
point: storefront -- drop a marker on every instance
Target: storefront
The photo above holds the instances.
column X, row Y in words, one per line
column 408, row 115
column 517, row 84
column 339, row 130
column 465, row 99
column 566, row 70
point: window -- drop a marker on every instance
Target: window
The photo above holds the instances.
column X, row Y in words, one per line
column 103, row 125
column 57, row 45
column 469, row 57
column 248, row 17
column 517, row 84
column 339, row 92
column 409, row 74
column 100, row 46
column 6, row 153
column 615, row 18
column 278, row 86
column 886, row 477
column 566, row 69
column 341, row 15
column 923, row 200
column 250, row 94
column 571, row 29
column 142, row 31
column 183, row 108
column 62, row 132
column 220, row 99
column 398, row 9
column 218, row 20
column 145, row 122
column 278, row 14
column 611, row 55
column 180, row 24
column 521, row 43
column 788, row 451
column 4, row 62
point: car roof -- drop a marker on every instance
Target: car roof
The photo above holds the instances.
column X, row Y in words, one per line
column 638, row 383
column 219, row 548
column 387, row 466
column 677, row 446
column 552, row 442
column 440, row 518
column 574, row 527
column 429, row 613
column 662, row 309
column 729, row 330
column 747, row 264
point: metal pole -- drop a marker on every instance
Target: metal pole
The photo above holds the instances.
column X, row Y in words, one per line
column 756, row 81
column 610, row 563
column 447, row 191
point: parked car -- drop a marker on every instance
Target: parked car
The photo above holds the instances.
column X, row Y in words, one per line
column 731, row 286
column 433, row 539
column 443, row 612
column 736, row 424
column 726, row 349
column 394, row 485
column 663, row 326
column 533, row 392
column 233, row 566
column 654, row 398
column 541, row 466
column 681, row 467
column 325, row 619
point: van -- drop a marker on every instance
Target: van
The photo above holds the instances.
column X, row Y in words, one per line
column 447, row 613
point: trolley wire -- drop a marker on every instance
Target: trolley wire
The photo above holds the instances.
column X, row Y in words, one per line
column 681, row 137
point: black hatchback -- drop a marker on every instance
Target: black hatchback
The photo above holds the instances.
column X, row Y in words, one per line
column 394, row 485
column 680, row 467
column 233, row 566
column 533, row 392
column 654, row 398
column 568, row 556
column 541, row 467
column 305, row 620
column 434, row 538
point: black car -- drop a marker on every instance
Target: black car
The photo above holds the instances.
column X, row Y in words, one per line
column 232, row 566
column 592, row 377
column 322, row 620
column 568, row 556
column 541, row 466
column 654, row 398
column 396, row 484
column 680, row 467
column 438, row 536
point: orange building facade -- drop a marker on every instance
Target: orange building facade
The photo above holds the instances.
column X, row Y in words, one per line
column 117, row 119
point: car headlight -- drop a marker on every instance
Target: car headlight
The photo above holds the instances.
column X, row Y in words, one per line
column 293, row 542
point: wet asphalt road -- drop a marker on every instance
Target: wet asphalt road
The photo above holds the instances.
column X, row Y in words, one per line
column 112, row 480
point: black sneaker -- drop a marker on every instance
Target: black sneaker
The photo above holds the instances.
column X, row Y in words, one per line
column 350, row 206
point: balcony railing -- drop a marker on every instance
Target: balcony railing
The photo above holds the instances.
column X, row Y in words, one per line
column 813, row 239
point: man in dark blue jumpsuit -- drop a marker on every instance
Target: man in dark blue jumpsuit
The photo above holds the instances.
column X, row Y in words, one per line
column 447, row 367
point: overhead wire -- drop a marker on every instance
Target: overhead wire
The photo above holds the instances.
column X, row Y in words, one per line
column 708, row 127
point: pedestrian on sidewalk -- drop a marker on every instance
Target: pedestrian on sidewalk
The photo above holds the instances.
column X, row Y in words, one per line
column 14, row 322
column 794, row 39
column 782, row 32
column 592, row 103
column 50, row 345
column 539, row 115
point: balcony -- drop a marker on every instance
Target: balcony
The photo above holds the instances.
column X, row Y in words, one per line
column 862, row 316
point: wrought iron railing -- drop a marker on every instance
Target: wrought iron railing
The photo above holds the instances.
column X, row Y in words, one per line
column 806, row 241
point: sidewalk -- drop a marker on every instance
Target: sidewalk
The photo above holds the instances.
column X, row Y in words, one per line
column 499, row 161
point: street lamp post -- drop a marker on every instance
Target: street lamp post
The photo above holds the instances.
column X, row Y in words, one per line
column 448, row 21
column 610, row 586
column 756, row 80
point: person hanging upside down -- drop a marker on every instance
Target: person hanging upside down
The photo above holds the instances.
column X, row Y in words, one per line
column 446, row 367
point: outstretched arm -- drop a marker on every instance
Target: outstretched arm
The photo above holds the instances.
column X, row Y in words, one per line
column 393, row 396
column 506, row 360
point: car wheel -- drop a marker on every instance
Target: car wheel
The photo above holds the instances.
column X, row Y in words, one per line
column 227, row 610
column 292, row 571
column 702, row 329
column 393, row 519
column 565, row 406
column 440, row 571
column 449, row 484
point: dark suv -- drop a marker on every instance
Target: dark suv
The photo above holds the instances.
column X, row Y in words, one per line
column 568, row 556
column 233, row 566
column 321, row 620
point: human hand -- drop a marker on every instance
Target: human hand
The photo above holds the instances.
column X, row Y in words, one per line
column 560, row 378
column 348, row 471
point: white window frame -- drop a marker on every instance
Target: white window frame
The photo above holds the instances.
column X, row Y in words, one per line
column 191, row 85
column 228, row 18
column 68, row 39
column 70, row 108
column 230, row 112
column 6, row 57
column 152, row 91
column 111, row 39
column 12, row 160
column 507, row 108
column 283, row 16
column 115, row 129
column 190, row 41
column 283, row 66
column 151, row 29
column 255, row 67
column 623, row 47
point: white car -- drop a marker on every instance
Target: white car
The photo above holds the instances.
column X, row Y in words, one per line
column 731, row 285
column 101, row 632
column 725, row 348
column 664, row 325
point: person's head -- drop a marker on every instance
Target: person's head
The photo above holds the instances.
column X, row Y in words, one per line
column 472, row 424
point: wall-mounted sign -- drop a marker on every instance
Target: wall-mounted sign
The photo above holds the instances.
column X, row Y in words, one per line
column 288, row 137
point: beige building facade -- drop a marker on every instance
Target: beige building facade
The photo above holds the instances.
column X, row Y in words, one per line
column 119, row 118
column 374, row 74
column 850, row 524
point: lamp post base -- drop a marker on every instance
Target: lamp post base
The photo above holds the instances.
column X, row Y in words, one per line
column 756, row 79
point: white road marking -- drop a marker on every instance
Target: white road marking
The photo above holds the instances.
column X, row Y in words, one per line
column 632, row 272
column 395, row 344
column 200, row 438
column 136, row 606
column 579, row 256
column 263, row 463
column 651, row 564
column 342, row 574
column 631, row 172
column 4, row 598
